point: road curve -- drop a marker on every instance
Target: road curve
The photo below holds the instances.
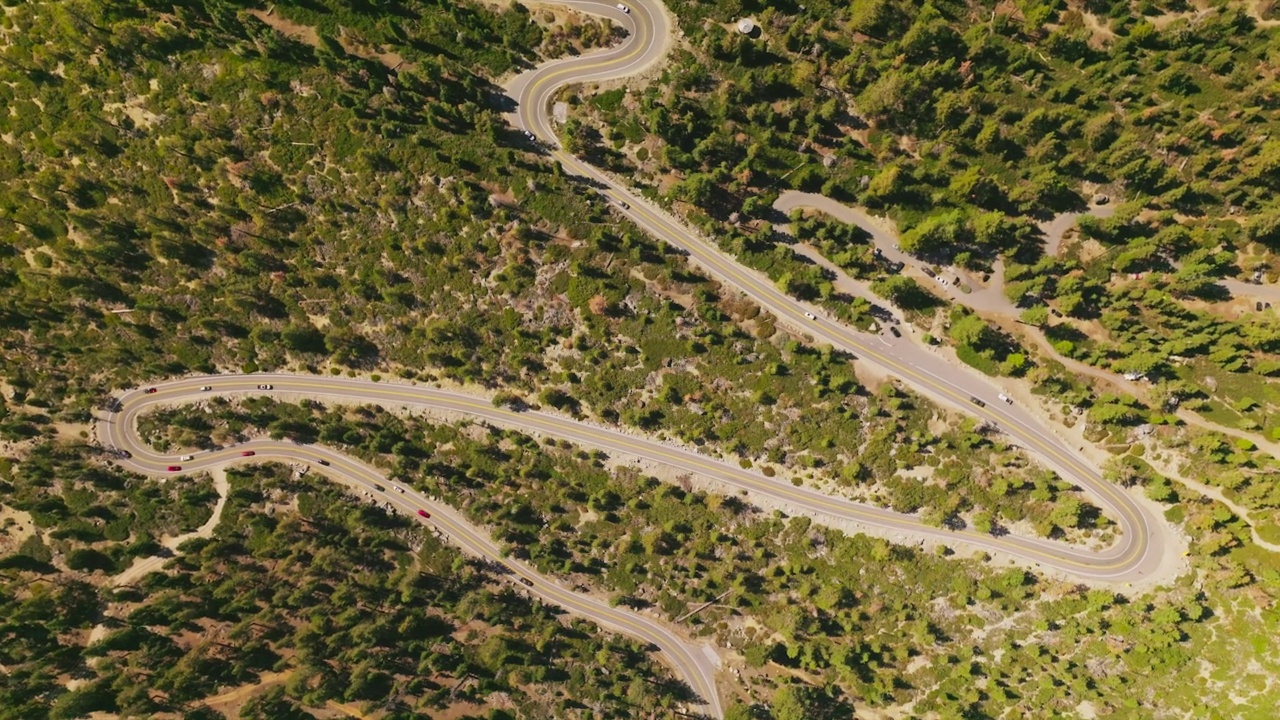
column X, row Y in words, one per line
column 117, row 429
column 1143, row 550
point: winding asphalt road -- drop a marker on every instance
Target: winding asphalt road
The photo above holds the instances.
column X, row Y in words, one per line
column 1138, row 554
column 1144, row 539
column 696, row 663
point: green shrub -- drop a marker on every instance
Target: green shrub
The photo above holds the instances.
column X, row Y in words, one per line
column 971, row 357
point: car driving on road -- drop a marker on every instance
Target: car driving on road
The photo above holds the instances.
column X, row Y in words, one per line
column 247, row 453
column 424, row 513
column 175, row 468
column 265, row 387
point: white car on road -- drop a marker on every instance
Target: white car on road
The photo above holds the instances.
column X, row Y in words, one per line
column 624, row 8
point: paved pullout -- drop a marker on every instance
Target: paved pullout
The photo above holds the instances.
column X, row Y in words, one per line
column 1142, row 551
column 696, row 663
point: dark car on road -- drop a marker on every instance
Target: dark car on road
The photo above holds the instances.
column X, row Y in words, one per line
column 894, row 331
column 976, row 401
column 526, row 581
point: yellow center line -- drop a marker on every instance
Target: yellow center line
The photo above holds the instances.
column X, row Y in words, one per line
column 712, row 259
column 1120, row 503
column 710, row 468
column 687, row 459
column 356, row 472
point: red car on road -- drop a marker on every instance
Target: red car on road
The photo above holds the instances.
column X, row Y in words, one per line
column 424, row 513
column 149, row 391
column 247, row 453
column 175, row 468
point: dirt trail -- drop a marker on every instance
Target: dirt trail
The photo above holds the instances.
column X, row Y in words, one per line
column 236, row 695
column 142, row 566
column 1168, row 470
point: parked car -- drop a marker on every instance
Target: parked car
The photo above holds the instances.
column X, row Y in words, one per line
column 894, row 331
column 929, row 272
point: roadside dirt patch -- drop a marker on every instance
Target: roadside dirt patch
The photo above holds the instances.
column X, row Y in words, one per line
column 228, row 703
column 299, row 32
column 15, row 527
column 307, row 34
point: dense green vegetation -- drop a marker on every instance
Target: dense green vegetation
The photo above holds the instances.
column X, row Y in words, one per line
column 864, row 620
column 330, row 187
column 964, row 476
column 279, row 239
column 336, row 599
column 91, row 517
column 973, row 107
column 967, row 122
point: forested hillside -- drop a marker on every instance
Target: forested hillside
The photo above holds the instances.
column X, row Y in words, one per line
column 330, row 187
